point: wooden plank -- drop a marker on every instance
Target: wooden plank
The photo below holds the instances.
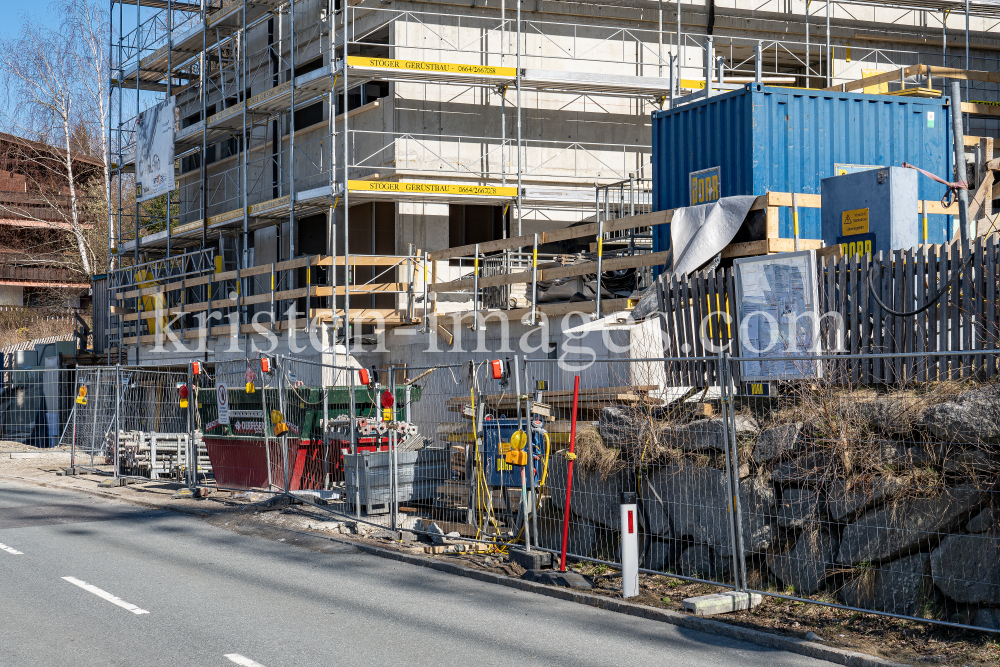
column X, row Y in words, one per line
column 773, row 222
column 697, row 319
column 955, row 308
column 714, row 322
column 932, row 313
column 961, row 74
column 886, row 77
column 942, row 308
column 980, row 109
column 935, row 207
column 580, row 269
column 899, row 304
column 686, row 346
column 670, row 344
column 978, row 307
column 734, row 347
column 968, row 287
column 576, row 232
column 785, row 199
column 992, row 328
column 909, row 328
column 832, row 342
column 842, row 269
column 768, row 246
column 866, row 342
column 854, row 321
column 888, row 339
column 920, row 321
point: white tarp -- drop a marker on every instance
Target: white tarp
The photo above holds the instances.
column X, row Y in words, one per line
column 155, row 151
column 699, row 233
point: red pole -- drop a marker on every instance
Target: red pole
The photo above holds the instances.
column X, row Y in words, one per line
column 569, row 474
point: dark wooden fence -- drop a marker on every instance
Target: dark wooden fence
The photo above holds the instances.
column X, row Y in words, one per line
column 700, row 315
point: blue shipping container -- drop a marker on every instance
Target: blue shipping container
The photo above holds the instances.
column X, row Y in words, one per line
column 765, row 139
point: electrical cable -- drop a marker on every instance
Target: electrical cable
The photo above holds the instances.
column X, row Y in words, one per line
column 940, row 291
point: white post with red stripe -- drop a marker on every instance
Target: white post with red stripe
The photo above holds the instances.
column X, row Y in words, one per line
column 630, row 546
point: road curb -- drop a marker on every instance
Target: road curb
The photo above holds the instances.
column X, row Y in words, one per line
column 790, row 644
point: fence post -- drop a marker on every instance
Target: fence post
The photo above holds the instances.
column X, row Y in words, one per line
column 93, row 422
column 280, row 366
column 326, row 433
column 354, row 438
column 192, row 446
column 732, row 473
column 118, row 398
column 529, row 508
column 72, row 446
column 394, row 459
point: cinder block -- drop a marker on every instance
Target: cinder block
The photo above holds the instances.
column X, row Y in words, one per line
column 721, row 603
column 531, row 560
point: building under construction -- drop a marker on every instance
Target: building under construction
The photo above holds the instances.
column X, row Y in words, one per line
column 368, row 165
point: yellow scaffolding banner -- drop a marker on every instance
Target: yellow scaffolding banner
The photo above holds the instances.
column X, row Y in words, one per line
column 422, row 66
column 432, row 189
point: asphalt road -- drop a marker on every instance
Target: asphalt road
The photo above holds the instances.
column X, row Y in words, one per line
column 98, row 582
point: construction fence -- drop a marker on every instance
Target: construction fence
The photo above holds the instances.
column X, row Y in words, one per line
column 787, row 478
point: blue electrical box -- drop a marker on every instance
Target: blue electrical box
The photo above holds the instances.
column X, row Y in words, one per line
column 496, row 442
column 871, row 211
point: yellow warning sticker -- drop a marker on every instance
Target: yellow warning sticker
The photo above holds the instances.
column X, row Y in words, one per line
column 423, row 66
column 854, row 222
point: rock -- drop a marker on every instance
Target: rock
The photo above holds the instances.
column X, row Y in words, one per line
column 699, row 436
column 705, row 434
column 694, row 503
column 972, row 464
column 798, row 507
column 903, row 526
column 757, row 507
column 843, row 504
column 582, row 535
column 892, row 416
column 454, row 535
column 966, row 568
column 776, row 443
column 987, row 618
column 983, row 521
column 805, row 468
column 699, row 561
column 659, row 554
column 626, row 429
column 807, row 565
column 813, row 637
column 435, row 533
column 899, row 587
column 971, row 417
column 595, row 498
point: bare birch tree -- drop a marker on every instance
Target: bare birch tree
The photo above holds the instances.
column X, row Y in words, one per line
column 56, row 81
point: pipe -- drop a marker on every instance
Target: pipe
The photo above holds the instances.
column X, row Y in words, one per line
column 569, row 473
column 960, row 165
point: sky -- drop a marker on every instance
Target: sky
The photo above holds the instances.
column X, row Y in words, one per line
column 14, row 12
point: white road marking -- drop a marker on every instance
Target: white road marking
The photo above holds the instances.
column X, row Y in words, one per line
column 11, row 550
column 240, row 660
column 105, row 595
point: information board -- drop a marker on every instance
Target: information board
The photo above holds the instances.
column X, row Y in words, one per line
column 155, row 158
column 778, row 316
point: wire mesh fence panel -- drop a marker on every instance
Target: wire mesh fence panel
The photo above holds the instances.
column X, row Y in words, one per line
column 34, row 409
column 233, row 414
column 152, row 426
column 92, row 425
column 635, row 433
column 885, row 496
